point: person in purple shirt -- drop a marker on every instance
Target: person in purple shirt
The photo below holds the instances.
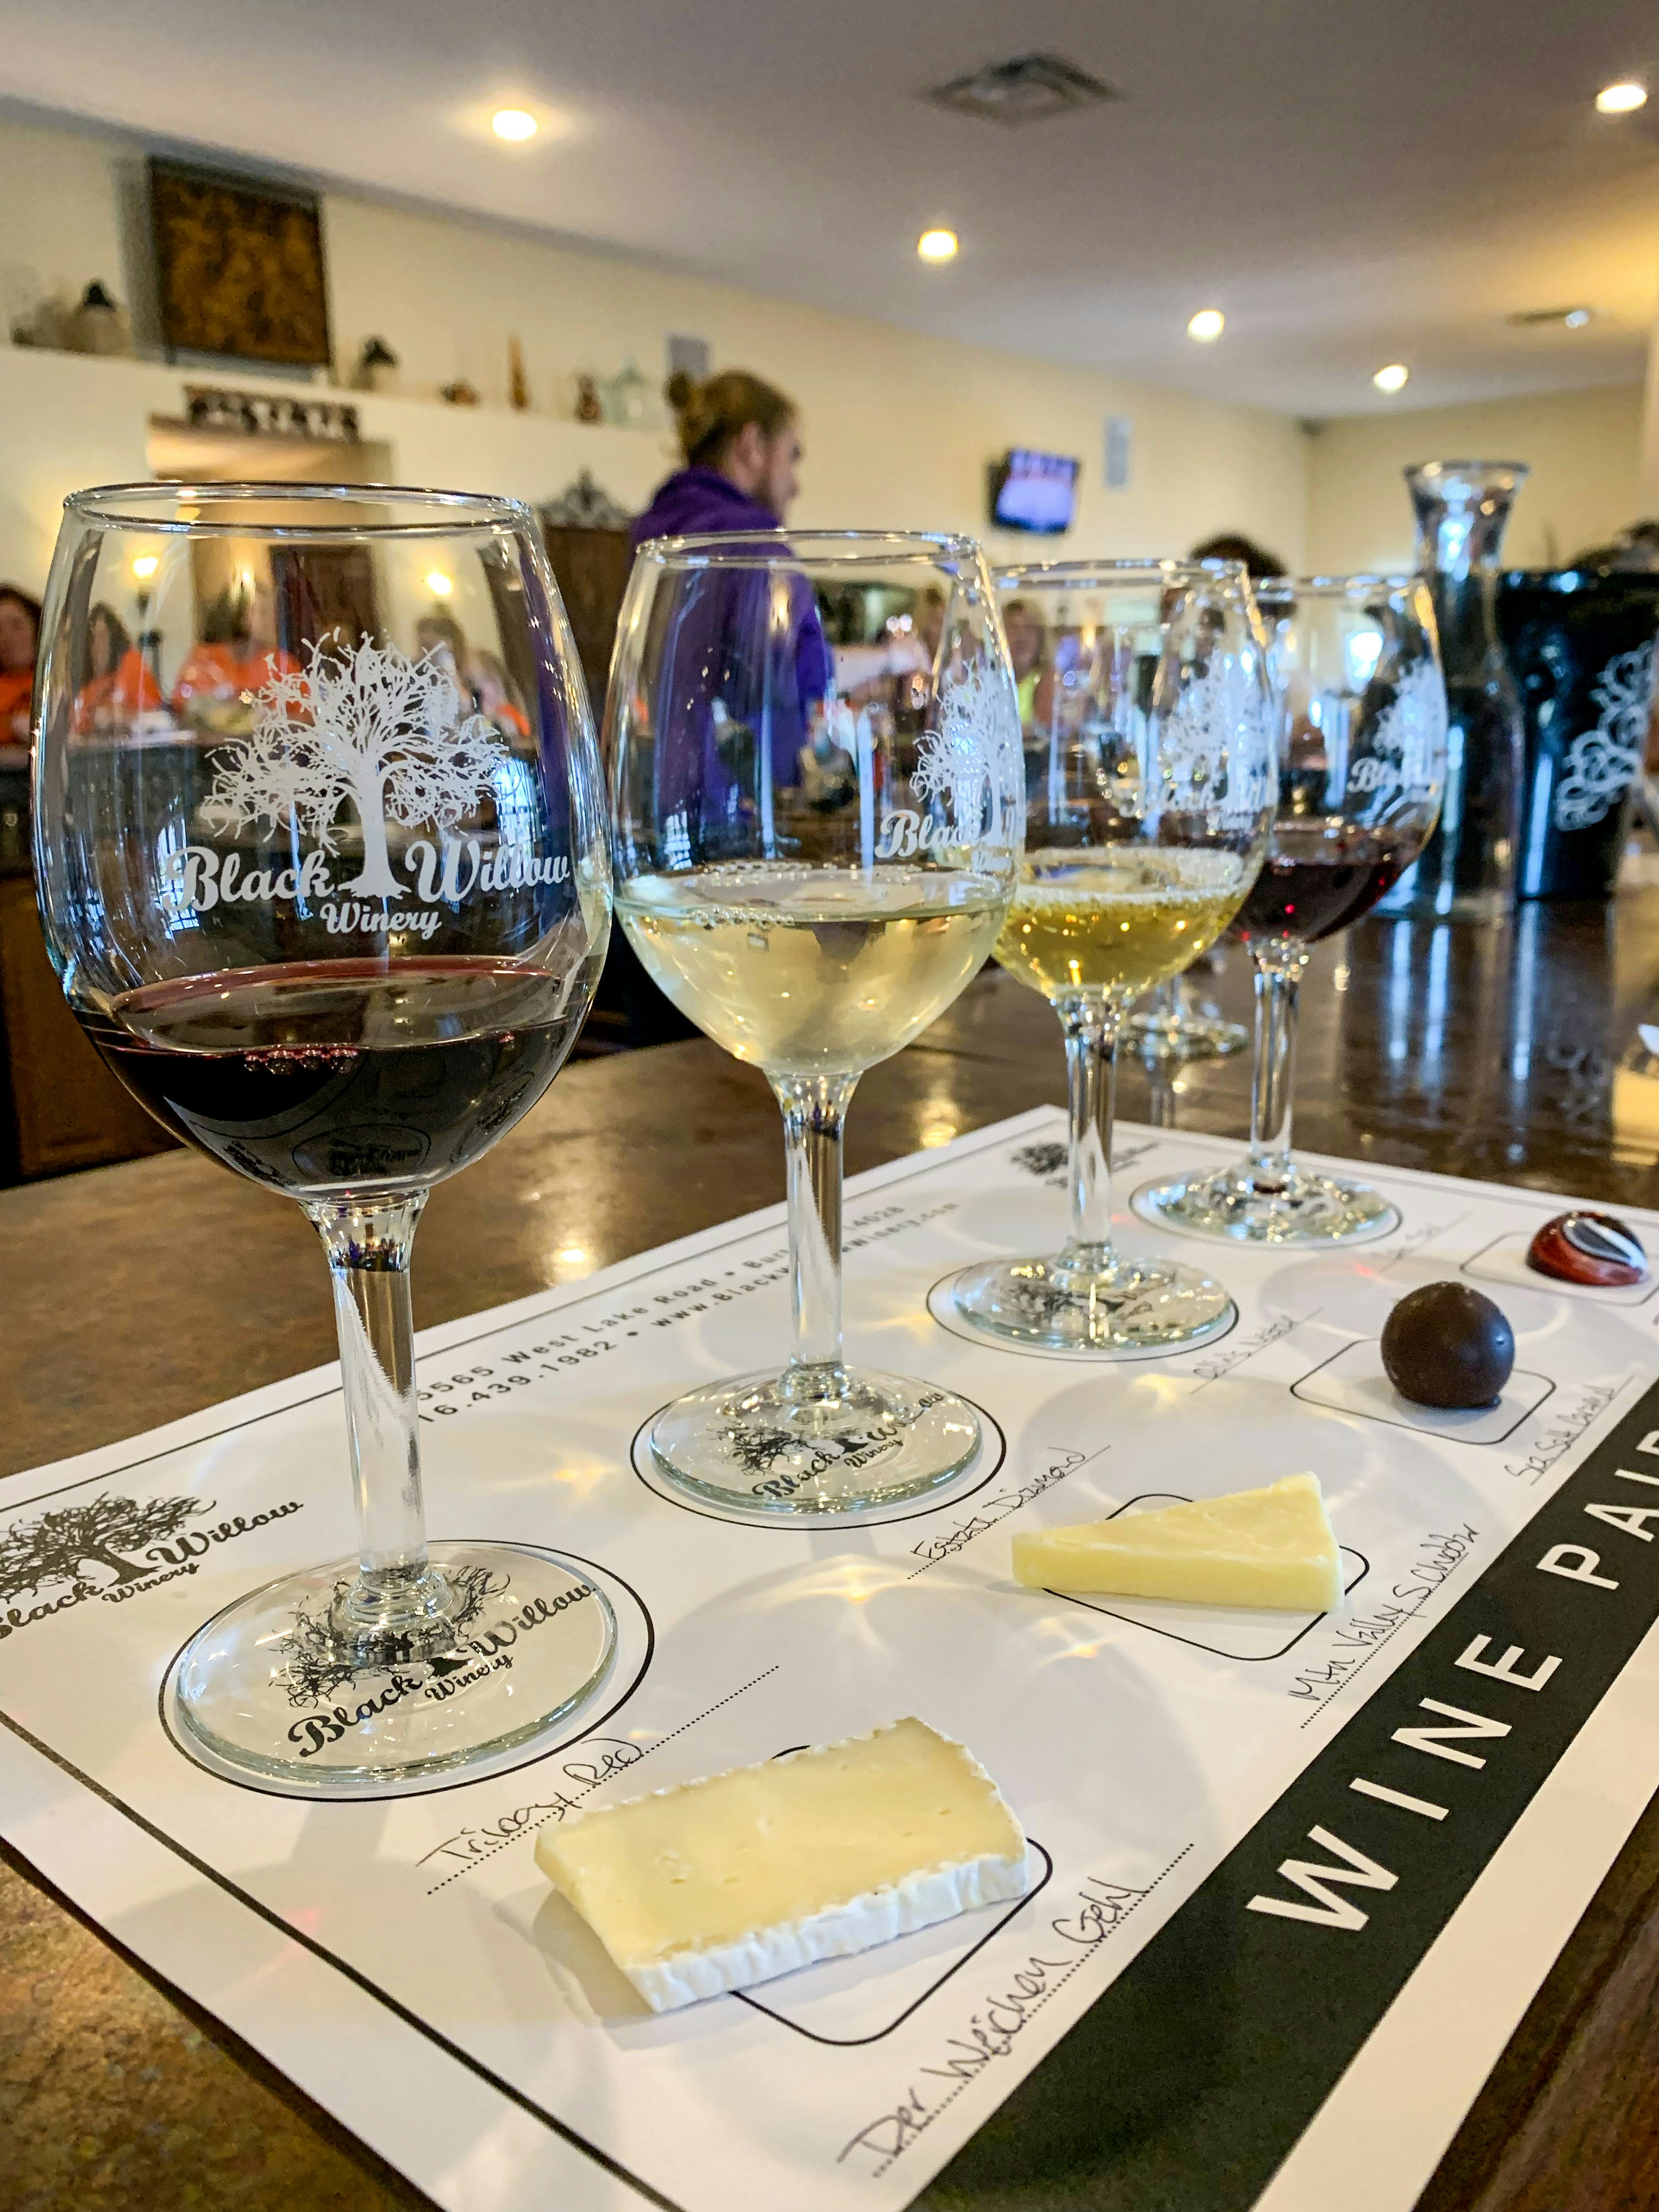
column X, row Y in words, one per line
column 741, row 693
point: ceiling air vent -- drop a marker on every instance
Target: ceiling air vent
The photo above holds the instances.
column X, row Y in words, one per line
column 1028, row 89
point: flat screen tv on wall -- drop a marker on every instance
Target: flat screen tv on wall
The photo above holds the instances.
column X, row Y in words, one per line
column 1034, row 491
column 239, row 267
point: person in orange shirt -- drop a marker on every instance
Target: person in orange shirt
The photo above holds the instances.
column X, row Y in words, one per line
column 19, row 640
column 119, row 684
column 478, row 676
column 238, row 654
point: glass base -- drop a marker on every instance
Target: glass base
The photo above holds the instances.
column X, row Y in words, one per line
column 284, row 1687
column 814, row 1440
column 1300, row 1208
column 1189, row 1034
column 1118, row 1309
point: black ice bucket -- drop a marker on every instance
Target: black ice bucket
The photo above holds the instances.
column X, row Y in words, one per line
column 1580, row 645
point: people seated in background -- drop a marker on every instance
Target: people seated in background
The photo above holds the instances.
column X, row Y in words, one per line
column 1233, row 545
column 237, row 655
column 118, row 683
column 20, row 641
column 478, row 676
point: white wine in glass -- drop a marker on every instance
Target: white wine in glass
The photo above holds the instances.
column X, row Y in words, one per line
column 803, row 972
column 812, row 878
column 1149, row 772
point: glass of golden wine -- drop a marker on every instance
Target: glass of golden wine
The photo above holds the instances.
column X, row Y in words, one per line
column 815, row 758
column 1149, row 779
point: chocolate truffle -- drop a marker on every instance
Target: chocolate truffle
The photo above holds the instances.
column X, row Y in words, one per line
column 1447, row 1345
column 1597, row 1248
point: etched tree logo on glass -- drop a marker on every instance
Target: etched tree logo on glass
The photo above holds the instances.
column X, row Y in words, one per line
column 57, row 1548
column 1408, row 739
column 368, row 727
column 972, row 760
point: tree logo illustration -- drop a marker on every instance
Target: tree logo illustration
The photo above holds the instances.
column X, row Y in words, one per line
column 368, row 727
column 317, row 1661
column 974, row 760
column 57, row 1548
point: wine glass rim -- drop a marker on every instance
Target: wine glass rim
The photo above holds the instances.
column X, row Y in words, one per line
column 151, row 508
column 792, row 549
column 1152, row 569
column 1363, row 580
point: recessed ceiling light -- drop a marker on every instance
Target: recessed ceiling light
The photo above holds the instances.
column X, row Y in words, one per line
column 1393, row 378
column 513, row 123
column 1206, row 325
column 1542, row 318
column 1621, row 99
column 936, row 246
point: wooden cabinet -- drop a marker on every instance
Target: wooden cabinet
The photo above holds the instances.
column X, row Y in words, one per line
column 67, row 1110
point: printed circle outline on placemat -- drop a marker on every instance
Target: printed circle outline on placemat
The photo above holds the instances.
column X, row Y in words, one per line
column 982, row 1340
column 1392, row 1220
column 965, row 1485
column 635, row 1610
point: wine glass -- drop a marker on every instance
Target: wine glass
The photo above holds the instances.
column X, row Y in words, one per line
column 1149, row 795
column 1356, row 670
column 330, row 893
column 1175, row 1024
column 814, row 749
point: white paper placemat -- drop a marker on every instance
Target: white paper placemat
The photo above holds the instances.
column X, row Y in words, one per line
column 405, row 1963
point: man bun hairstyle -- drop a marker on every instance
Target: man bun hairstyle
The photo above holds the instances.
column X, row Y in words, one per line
column 712, row 415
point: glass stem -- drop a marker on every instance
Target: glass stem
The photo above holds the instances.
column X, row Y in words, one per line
column 1091, row 1023
column 396, row 1609
column 1277, row 973
column 814, row 1115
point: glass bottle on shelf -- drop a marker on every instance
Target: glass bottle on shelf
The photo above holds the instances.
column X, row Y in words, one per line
column 1467, row 867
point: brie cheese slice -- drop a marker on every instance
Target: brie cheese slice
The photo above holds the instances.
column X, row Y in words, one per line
column 725, row 1882
column 1274, row 1547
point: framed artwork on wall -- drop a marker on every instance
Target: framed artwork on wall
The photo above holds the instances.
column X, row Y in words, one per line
column 239, row 267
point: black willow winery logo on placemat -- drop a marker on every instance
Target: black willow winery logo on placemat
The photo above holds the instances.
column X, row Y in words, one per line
column 109, row 1547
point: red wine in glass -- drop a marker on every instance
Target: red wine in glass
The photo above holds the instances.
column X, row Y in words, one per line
column 321, row 1076
column 1315, row 881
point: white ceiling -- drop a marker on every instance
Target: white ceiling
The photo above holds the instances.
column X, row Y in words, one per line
column 1353, row 181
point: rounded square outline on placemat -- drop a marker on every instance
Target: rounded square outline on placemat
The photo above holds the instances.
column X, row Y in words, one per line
column 1388, row 1420
column 1548, row 1283
column 853, row 2042
column 1193, row 1642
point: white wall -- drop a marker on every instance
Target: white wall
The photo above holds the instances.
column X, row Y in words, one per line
column 1584, row 449
column 898, row 428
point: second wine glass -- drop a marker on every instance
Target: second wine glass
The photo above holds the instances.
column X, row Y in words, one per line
column 814, row 747
column 1149, row 794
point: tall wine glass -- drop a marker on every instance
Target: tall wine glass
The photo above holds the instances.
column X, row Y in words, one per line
column 1362, row 709
column 817, row 826
column 329, row 890
column 1149, row 795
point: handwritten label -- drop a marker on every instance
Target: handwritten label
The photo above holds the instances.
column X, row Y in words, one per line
column 1565, row 1431
column 991, row 2033
column 1350, row 1642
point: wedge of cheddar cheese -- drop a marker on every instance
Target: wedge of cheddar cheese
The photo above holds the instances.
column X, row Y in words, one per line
column 1274, row 1547
column 728, row 1881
